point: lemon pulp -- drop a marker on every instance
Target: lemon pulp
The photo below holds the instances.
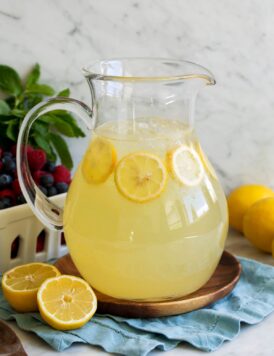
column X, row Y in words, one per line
column 166, row 247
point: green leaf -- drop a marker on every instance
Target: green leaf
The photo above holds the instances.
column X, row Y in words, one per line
column 61, row 147
column 41, row 89
column 10, row 81
column 18, row 113
column 42, row 142
column 33, row 76
column 73, row 123
column 12, row 130
column 59, row 124
column 65, row 93
column 4, row 108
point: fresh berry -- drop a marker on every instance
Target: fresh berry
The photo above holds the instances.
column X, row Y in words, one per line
column 9, row 164
column 47, row 180
column 43, row 190
column 7, row 193
column 61, row 174
column 1, row 165
column 5, row 203
column 16, row 187
column 61, row 187
column 5, row 180
column 1, row 152
column 20, row 199
column 36, row 159
column 7, row 154
column 52, row 191
column 49, row 167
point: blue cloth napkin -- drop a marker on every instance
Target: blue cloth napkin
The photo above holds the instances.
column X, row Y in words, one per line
column 206, row 329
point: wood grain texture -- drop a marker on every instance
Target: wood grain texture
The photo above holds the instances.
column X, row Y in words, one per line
column 10, row 345
column 220, row 284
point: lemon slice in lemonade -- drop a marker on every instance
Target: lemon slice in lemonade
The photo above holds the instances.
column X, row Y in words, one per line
column 185, row 165
column 140, row 176
column 20, row 284
column 66, row 302
column 99, row 161
column 208, row 166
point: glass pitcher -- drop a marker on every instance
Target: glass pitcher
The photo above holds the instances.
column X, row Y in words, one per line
column 145, row 217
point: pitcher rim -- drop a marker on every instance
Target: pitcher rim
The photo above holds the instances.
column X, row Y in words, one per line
column 207, row 75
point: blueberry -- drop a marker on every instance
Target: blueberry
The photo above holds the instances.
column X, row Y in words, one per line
column 20, row 199
column 5, row 180
column 47, row 180
column 49, row 167
column 9, row 164
column 7, row 154
column 43, row 190
column 61, row 187
column 52, row 191
column 5, row 202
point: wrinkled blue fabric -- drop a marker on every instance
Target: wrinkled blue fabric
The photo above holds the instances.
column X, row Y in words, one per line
column 206, row 329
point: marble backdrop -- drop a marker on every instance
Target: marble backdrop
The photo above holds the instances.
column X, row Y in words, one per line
column 234, row 39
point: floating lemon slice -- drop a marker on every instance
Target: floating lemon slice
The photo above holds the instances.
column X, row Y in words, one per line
column 66, row 302
column 20, row 284
column 185, row 165
column 99, row 161
column 140, row 176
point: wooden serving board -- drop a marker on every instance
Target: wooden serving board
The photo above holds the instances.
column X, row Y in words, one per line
column 220, row 284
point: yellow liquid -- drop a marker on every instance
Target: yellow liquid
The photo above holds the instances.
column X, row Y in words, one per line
column 161, row 249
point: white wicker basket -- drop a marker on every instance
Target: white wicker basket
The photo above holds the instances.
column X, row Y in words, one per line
column 20, row 223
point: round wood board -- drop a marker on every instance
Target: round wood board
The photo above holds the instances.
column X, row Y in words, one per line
column 220, row 284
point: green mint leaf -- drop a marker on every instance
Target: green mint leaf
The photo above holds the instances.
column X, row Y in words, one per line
column 10, row 81
column 42, row 142
column 65, row 93
column 72, row 122
column 4, row 108
column 12, row 130
column 43, row 89
column 33, row 76
column 18, row 113
column 61, row 148
column 59, row 124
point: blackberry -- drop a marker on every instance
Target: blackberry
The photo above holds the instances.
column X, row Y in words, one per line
column 9, row 164
column 52, row 191
column 5, row 202
column 49, row 167
column 61, row 187
column 47, row 180
column 5, row 180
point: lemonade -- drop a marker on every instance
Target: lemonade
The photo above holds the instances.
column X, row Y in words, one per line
column 145, row 216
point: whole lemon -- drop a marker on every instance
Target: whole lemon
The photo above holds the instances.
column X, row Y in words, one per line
column 240, row 199
column 258, row 224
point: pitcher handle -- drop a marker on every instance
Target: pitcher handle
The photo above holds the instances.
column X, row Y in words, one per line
column 49, row 213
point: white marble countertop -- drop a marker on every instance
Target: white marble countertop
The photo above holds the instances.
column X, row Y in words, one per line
column 252, row 341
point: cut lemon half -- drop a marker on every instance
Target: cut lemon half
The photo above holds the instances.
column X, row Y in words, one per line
column 185, row 165
column 99, row 161
column 66, row 302
column 20, row 284
column 140, row 176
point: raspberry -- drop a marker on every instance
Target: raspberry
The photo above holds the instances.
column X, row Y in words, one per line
column 1, row 152
column 61, row 174
column 16, row 187
column 7, row 193
column 36, row 159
